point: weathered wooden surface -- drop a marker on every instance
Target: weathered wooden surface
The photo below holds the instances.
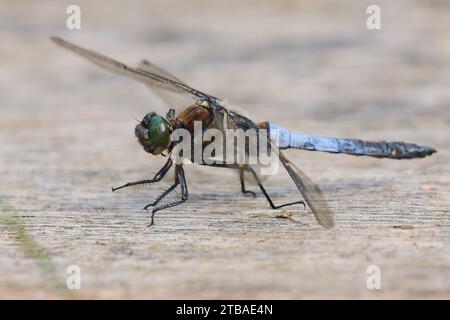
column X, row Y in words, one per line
column 66, row 136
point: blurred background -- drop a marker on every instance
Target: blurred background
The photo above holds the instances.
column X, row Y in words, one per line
column 66, row 137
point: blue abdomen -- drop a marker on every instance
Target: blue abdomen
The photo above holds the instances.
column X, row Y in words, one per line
column 286, row 139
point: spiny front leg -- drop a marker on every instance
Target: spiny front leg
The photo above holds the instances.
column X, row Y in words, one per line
column 179, row 180
column 158, row 176
column 162, row 196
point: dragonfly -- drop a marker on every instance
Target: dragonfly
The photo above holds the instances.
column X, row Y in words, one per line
column 188, row 105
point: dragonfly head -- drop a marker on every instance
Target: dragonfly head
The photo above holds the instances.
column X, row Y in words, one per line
column 153, row 133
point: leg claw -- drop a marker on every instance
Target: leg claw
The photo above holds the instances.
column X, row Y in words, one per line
column 250, row 193
column 152, row 222
column 304, row 204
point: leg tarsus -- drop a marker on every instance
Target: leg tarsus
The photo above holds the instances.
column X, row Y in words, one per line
column 290, row 204
column 245, row 192
column 152, row 222
column 158, row 176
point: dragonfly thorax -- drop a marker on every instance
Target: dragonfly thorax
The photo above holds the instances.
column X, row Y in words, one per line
column 153, row 133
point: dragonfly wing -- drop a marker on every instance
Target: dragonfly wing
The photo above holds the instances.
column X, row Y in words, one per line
column 311, row 192
column 153, row 68
column 172, row 98
column 156, row 80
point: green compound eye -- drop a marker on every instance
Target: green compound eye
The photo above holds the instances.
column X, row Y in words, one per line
column 158, row 130
column 148, row 117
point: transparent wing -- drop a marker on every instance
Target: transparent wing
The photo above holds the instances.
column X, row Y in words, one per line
column 311, row 192
column 157, row 81
column 172, row 98
column 153, row 68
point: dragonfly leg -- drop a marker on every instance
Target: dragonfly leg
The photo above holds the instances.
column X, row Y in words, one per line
column 179, row 180
column 162, row 196
column 241, row 178
column 158, row 176
column 263, row 190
